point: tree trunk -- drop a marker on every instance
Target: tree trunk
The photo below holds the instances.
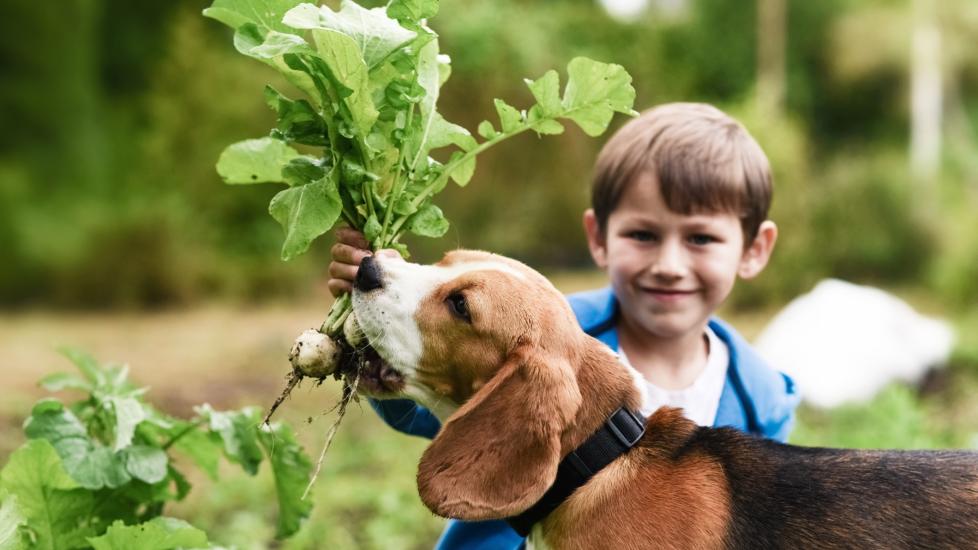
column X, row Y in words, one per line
column 771, row 33
column 926, row 94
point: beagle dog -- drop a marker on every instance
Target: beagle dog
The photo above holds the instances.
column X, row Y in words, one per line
column 494, row 351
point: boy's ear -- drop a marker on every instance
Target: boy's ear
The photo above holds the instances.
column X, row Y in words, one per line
column 759, row 252
column 595, row 239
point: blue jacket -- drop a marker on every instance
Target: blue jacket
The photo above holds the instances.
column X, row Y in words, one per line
column 756, row 399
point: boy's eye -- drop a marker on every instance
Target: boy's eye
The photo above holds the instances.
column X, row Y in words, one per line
column 701, row 239
column 641, row 236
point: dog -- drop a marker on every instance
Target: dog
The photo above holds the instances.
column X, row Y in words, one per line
column 494, row 351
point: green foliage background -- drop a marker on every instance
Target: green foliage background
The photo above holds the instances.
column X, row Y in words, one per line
column 115, row 113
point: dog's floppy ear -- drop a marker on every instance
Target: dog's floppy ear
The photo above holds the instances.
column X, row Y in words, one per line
column 498, row 454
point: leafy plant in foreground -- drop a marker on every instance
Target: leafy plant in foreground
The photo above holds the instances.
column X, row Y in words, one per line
column 98, row 472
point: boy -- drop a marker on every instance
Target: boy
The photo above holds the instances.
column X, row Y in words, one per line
column 679, row 210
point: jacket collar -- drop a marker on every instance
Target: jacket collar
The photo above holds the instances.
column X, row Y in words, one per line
column 755, row 398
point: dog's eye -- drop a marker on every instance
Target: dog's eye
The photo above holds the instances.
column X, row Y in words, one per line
column 458, row 307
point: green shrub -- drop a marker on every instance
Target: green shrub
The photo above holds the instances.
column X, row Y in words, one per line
column 97, row 473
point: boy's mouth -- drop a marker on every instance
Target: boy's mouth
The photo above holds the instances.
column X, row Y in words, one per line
column 667, row 294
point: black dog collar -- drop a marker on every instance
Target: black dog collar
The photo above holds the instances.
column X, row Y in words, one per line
column 622, row 430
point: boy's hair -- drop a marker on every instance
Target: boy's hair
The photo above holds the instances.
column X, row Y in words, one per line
column 703, row 160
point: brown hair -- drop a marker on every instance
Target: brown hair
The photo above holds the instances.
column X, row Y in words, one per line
column 703, row 160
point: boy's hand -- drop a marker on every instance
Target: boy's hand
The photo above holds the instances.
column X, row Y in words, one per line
column 350, row 249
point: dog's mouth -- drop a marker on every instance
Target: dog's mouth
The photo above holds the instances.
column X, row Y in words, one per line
column 375, row 375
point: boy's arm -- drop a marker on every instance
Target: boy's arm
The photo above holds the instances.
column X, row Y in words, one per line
column 757, row 398
column 781, row 434
column 782, row 421
column 406, row 416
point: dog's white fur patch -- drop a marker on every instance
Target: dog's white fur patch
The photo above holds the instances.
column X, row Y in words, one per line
column 387, row 317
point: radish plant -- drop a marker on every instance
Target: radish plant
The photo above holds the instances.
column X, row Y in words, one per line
column 369, row 81
column 98, row 472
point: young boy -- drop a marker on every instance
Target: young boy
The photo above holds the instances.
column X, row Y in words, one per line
column 680, row 198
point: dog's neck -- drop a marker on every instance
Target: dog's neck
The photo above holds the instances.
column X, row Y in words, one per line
column 605, row 385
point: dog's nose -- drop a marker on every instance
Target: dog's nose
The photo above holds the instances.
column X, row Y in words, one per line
column 368, row 276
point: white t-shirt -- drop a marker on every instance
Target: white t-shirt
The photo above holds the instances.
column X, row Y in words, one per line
column 700, row 400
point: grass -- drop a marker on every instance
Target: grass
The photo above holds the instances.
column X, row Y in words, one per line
column 365, row 496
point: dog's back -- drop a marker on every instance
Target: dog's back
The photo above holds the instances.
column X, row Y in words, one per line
column 783, row 496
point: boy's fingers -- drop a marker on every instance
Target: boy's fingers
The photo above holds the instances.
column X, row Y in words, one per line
column 348, row 254
column 338, row 287
column 342, row 272
column 352, row 237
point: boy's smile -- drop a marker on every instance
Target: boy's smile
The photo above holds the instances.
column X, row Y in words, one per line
column 670, row 271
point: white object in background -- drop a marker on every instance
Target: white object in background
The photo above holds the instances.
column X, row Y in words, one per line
column 843, row 342
column 625, row 11
column 630, row 11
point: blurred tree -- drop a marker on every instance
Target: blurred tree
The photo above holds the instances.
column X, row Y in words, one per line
column 116, row 112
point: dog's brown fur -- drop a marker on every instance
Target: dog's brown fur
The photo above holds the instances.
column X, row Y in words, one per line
column 532, row 387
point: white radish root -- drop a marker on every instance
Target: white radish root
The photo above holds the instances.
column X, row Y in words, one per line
column 315, row 354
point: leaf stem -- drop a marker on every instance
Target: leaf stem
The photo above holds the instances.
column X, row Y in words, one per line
column 451, row 166
column 340, row 306
column 396, row 189
column 190, row 427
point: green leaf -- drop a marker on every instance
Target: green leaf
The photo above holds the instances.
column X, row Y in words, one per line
column 146, row 463
column 546, row 90
column 238, row 431
column 291, row 469
column 97, row 468
column 509, row 118
column 342, row 57
column 160, row 533
column 255, row 161
column 444, row 68
column 486, row 130
column 542, row 125
column 404, row 206
column 411, row 12
column 203, row 450
column 128, row 414
column 51, row 421
column 401, row 248
column 444, row 133
column 302, row 170
column 463, row 171
column 298, row 121
column 50, row 502
column 250, row 40
column 91, row 464
column 594, row 92
column 305, row 212
column 372, row 228
column 375, row 34
column 87, row 364
column 429, row 80
column 277, row 44
column 428, row 222
column 11, row 521
column 266, row 15
column 342, row 65
column 63, row 381
column 183, row 486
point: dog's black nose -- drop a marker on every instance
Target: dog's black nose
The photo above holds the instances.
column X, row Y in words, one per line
column 368, row 276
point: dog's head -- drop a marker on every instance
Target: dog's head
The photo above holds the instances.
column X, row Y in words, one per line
column 490, row 346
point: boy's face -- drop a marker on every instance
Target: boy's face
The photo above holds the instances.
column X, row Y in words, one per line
column 671, row 271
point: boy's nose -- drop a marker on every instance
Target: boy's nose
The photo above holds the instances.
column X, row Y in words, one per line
column 669, row 264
